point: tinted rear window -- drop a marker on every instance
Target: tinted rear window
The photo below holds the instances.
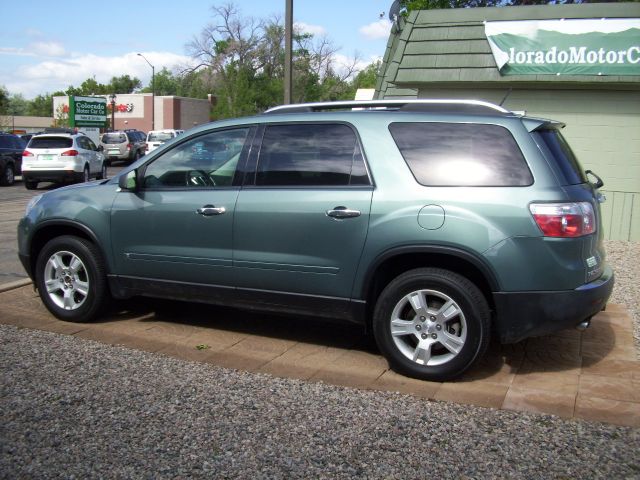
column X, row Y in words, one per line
column 459, row 154
column 50, row 142
column 563, row 155
column 160, row 136
column 114, row 138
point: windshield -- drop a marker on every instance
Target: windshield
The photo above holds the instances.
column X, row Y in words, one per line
column 50, row 142
column 114, row 138
column 160, row 136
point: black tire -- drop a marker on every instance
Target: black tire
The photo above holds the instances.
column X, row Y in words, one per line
column 432, row 346
column 31, row 184
column 86, row 174
column 135, row 158
column 8, row 176
column 103, row 172
column 87, row 290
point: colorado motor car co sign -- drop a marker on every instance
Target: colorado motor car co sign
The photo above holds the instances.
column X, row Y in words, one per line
column 566, row 47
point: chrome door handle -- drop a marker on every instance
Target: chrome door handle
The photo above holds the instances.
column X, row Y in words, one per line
column 210, row 210
column 343, row 212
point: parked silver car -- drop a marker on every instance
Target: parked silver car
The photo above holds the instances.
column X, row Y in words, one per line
column 127, row 145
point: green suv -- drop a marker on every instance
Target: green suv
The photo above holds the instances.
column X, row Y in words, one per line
column 434, row 224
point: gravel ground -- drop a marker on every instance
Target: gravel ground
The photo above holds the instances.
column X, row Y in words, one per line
column 73, row 408
column 625, row 259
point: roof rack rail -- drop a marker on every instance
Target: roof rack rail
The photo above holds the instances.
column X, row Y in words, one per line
column 415, row 105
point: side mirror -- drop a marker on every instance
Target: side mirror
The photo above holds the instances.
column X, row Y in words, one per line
column 598, row 183
column 100, row 148
column 129, row 181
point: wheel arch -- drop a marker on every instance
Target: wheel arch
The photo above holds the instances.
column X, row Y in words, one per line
column 57, row 228
column 398, row 260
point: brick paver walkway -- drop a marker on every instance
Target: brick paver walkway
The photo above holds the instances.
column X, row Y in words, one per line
column 593, row 375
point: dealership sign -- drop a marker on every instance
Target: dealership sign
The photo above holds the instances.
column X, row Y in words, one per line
column 87, row 111
column 566, row 47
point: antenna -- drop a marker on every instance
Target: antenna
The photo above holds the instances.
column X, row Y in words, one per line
column 506, row 96
column 394, row 10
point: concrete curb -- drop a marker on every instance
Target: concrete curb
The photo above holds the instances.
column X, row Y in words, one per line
column 5, row 287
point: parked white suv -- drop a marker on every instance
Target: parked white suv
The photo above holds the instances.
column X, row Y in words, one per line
column 61, row 157
column 155, row 138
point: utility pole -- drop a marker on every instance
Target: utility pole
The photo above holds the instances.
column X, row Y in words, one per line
column 153, row 92
column 288, row 51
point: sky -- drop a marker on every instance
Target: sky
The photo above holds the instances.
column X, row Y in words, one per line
column 47, row 45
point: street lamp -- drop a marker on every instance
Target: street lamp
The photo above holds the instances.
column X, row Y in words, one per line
column 153, row 92
column 112, row 97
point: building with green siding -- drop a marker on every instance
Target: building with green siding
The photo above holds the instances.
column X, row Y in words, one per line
column 446, row 54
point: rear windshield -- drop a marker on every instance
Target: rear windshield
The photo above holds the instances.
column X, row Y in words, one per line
column 50, row 142
column 114, row 138
column 460, row 154
column 160, row 136
column 563, row 155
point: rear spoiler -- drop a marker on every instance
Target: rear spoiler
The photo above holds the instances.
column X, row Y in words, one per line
column 533, row 124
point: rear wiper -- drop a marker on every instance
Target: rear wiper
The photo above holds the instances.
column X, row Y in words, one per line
column 599, row 183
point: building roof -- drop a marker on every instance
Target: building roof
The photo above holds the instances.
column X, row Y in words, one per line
column 449, row 47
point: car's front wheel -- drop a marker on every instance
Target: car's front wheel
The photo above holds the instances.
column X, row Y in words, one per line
column 103, row 172
column 431, row 324
column 71, row 280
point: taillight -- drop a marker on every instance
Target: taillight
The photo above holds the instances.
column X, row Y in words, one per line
column 70, row 153
column 564, row 219
column 146, row 147
column 27, row 154
column 129, row 146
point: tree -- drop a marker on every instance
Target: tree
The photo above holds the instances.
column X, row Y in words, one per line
column 123, row 84
column 42, row 105
column 367, row 77
column 17, row 104
column 4, row 100
column 241, row 61
column 165, row 83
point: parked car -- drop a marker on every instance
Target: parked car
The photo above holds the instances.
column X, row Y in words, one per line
column 61, row 157
column 155, row 138
column 127, row 145
column 11, row 147
column 430, row 223
column 27, row 136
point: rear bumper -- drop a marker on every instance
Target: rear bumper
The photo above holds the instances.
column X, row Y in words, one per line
column 51, row 175
column 520, row 315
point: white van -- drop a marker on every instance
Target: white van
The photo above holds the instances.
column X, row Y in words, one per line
column 155, row 138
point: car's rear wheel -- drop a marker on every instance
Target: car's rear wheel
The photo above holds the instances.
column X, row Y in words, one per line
column 71, row 280
column 9, row 176
column 431, row 324
column 86, row 175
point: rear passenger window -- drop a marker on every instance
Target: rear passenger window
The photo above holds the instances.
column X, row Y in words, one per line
column 459, row 154
column 310, row 155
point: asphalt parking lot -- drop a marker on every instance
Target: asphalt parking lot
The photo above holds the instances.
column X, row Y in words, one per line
column 13, row 200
